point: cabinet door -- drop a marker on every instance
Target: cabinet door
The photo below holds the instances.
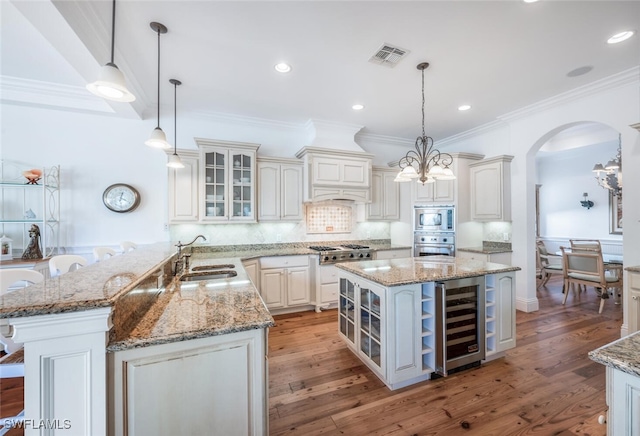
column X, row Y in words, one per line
column 444, row 191
column 242, row 181
column 391, row 189
column 291, row 189
column 423, row 193
column 269, row 191
column 251, row 267
column 404, row 314
column 183, row 191
column 486, row 192
column 505, row 312
column 272, row 287
column 624, row 409
column 376, row 207
column 371, row 334
column 634, row 302
column 215, row 185
column 298, row 291
column 347, row 309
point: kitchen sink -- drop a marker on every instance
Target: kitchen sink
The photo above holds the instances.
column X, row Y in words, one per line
column 207, row 275
column 212, row 267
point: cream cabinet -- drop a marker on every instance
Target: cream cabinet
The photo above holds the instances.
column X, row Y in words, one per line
column 393, row 254
column 336, row 174
column 440, row 191
column 491, row 189
column 500, row 314
column 184, row 188
column 227, row 181
column 634, row 301
column 279, row 189
column 218, row 382
column 623, row 399
column 327, row 286
column 252, row 267
column 285, row 281
column 385, row 196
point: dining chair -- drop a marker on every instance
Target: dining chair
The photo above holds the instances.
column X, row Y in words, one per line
column 585, row 267
column 63, row 263
column 548, row 263
column 103, row 253
column 128, row 246
column 585, row 244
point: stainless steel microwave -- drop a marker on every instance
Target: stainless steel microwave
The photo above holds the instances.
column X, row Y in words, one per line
column 434, row 218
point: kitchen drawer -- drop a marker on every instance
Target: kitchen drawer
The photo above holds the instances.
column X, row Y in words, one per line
column 284, row 261
column 328, row 274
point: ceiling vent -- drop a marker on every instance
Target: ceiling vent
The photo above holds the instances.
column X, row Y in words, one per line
column 388, row 55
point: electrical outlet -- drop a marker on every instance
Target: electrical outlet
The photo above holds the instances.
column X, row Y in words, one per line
column 368, row 235
column 166, row 227
column 505, row 236
column 278, row 237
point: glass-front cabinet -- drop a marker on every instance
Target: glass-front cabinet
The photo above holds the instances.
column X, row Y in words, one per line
column 228, row 187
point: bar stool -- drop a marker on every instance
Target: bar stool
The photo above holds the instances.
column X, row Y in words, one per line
column 63, row 263
column 103, row 253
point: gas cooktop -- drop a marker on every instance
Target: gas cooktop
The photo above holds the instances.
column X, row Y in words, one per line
column 342, row 253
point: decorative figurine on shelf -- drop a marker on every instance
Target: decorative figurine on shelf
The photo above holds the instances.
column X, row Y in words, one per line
column 29, row 215
column 33, row 250
column 6, row 248
column 32, row 176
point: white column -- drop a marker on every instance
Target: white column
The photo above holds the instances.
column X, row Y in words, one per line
column 65, row 372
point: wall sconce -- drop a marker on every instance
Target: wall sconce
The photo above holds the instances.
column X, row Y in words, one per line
column 586, row 203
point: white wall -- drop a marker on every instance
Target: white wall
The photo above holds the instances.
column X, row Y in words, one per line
column 564, row 177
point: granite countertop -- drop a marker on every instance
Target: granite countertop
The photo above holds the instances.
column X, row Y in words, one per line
column 396, row 272
column 622, row 354
column 150, row 306
column 189, row 310
column 633, row 268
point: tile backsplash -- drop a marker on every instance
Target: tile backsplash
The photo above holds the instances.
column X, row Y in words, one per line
column 273, row 232
column 496, row 231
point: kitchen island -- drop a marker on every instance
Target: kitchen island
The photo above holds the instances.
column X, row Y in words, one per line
column 389, row 315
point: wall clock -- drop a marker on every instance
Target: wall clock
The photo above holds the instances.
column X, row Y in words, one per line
column 121, row 198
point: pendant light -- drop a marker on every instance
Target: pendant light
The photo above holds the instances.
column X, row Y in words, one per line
column 158, row 139
column 431, row 164
column 174, row 159
column 110, row 83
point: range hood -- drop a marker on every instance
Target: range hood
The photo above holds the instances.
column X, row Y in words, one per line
column 331, row 174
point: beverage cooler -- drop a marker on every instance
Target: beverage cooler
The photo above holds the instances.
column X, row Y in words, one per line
column 460, row 323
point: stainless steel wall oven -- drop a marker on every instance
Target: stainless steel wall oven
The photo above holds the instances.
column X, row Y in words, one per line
column 460, row 323
column 434, row 244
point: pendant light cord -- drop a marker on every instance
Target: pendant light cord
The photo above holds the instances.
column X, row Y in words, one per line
column 175, row 118
column 158, row 78
column 113, row 30
column 423, row 134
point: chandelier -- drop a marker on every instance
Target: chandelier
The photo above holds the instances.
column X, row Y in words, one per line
column 610, row 175
column 425, row 163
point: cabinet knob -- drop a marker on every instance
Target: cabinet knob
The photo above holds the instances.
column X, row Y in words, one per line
column 602, row 419
column 635, row 297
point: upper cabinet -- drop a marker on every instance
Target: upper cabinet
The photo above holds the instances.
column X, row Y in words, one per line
column 183, row 188
column 385, row 195
column 440, row 191
column 227, row 188
column 279, row 189
column 491, row 189
column 336, row 174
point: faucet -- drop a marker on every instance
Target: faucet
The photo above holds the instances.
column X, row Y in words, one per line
column 182, row 260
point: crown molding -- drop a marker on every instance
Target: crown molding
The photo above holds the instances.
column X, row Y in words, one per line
column 47, row 94
column 386, row 140
column 493, row 125
column 624, row 78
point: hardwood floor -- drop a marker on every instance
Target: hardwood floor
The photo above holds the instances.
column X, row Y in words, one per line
column 545, row 386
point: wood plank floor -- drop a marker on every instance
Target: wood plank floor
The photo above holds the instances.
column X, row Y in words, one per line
column 545, row 386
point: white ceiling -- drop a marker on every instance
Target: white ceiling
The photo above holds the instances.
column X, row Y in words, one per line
column 497, row 56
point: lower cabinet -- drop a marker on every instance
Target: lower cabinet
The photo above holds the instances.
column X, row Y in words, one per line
column 634, row 301
column 252, row 267
column 190, row 387
column 500, row 314
column 390, row 329
column 327, row 286
column 285, row 281
column 623, row 399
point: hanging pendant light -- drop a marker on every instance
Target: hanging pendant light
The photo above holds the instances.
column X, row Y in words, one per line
column 110, row 83
column 174, row 159
column 425, row 163
column 158, row 139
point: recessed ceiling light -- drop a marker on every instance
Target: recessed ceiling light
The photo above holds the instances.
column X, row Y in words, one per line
column 464, row 107
column 282, row 67
column 622, row 36
column 357, row 107
column 529, row 1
